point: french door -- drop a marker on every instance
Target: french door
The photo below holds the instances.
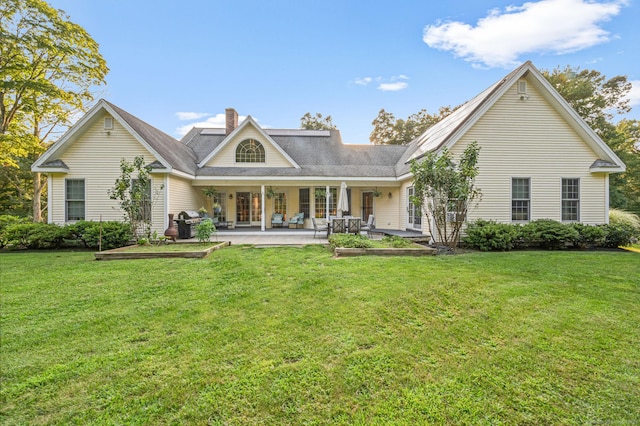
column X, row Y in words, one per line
column 248, row 209
column 367, row 205
column 414, row 213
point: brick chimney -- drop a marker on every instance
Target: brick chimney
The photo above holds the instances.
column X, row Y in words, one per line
column 231, row 119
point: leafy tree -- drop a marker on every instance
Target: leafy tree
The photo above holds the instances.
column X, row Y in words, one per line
column 316, row 122
column 597, row 99
column 389, row 131
column 133, row 189
column 445, row 190
column 48, row 66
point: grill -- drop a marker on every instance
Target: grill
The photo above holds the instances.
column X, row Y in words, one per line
column 187, row 221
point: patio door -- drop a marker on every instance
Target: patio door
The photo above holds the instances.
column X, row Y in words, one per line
column 248, row 209
column 414, row 213
column 367, row 205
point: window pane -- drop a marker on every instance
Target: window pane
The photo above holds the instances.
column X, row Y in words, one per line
column 74, row 202
column 520, row 210
column 250, row 151
column 304, row 201
column 570, row 199
column 280, row 203
column 520, row 199
column 520, row 188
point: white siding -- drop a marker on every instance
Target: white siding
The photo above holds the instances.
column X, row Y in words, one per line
column 528, row 138
column 227, row 156
column 95, row 157
column 183, row 196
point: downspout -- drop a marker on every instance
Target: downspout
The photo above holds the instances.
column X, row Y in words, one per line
column 49, row 198
column 262, row 202
column 606, row 198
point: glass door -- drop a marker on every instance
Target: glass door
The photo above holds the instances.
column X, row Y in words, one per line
column 367, row 205
column 243, row 208
column 414, row 213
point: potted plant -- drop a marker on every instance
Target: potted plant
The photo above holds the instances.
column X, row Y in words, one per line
column 202, row 211
column 377, row 193
column 270, row 192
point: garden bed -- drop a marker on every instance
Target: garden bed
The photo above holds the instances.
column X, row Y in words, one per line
column 387, row 251
column 197, row 251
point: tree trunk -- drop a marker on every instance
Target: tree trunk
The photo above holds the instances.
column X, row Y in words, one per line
column 38, row 186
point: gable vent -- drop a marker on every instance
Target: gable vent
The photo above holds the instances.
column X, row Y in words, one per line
column 522, row 86
column 108, row 123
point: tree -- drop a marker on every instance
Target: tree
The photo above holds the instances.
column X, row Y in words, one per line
column 597, row 99
column 316, row 122
column 445, row 190
column 48, row 66
column 136, row 196
column 389, row 131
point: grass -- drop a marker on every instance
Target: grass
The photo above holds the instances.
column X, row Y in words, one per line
column 292, row 336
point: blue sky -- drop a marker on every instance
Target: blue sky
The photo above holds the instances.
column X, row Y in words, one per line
column 176, row 64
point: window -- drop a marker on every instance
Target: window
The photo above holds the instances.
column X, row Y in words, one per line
column 520, row 199
column 144, row 201
column 250, row 151
column 305, row 202
column 280, row 203
column 455, row 211
column 108, row 123
column 321, row 202
column 571, row 200
column 74, row 199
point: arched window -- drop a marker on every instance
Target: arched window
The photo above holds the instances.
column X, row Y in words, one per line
column 250, row 151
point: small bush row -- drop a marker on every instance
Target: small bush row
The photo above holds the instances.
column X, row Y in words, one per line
column 349, row 241
column 18, row 233
column 549, row 234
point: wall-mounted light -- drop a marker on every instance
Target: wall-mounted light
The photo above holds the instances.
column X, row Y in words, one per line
column 390, row 195
column 231, row 196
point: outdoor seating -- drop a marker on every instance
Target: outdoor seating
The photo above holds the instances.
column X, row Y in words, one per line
column 297, row 219
column 318, row 228
column 353, row 225
column 338, row 225
column 277, row 220
column 370, row 225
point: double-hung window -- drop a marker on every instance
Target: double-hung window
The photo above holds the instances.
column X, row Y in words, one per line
column 570, row 200
column 520, row 199
column 74, row 199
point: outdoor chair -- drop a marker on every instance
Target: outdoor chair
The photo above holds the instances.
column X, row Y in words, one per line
column 370, row 225
column 277, row 220
column 338, row 226
column 297, row 219
column 353, row 225
column 318, row 228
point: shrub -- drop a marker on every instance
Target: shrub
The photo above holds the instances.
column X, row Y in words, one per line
column 5, row 222
column 37, row 235
column 204, row 230
column 114, row 234
column 349, row 241
column 617, row 216
column 492, row 236
column 588, row 235
column 549, row 234
column 618, row 234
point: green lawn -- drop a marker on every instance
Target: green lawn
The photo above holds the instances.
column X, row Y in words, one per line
column 294, row 336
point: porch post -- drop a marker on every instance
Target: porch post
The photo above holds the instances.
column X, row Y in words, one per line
column 262, row 202
column 326, row 200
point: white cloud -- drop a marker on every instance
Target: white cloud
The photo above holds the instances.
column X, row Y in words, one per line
column 217, row 121
column 634, row 94
column 363, row 81
column 557, row 26
column 187, row 116
column 393, row 87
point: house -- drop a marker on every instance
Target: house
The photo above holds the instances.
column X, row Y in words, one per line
column 538, row 159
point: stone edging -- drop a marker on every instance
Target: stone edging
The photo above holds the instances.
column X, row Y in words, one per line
column 126, row 253
column 347, row 252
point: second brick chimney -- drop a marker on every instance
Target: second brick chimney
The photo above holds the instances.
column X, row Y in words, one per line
column 231, row 120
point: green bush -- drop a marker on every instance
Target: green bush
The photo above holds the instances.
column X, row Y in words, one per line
column 618, row 234
column 488, row 235
column 549, row 234
column 204, row 230
column 37, row 235
column 5, row 222
column 349, row 241
column 114, row 234
column 588, row 235
column 617, row 216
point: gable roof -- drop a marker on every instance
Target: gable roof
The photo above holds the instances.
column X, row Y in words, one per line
column 248, row 122
column 453, row 127
column 169, row 153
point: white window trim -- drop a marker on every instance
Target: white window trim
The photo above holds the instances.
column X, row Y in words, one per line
column 562, row 199
column 511, row 200
column 66, row 199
